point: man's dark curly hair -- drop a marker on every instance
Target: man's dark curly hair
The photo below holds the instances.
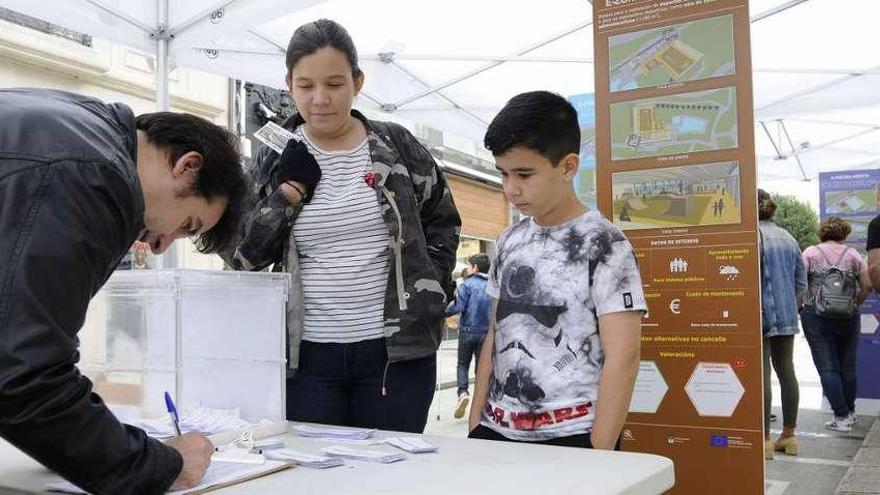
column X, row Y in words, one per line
column 221, row 175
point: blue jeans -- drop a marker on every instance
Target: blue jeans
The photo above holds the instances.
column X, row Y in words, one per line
column 355, row 385
column 834, row 344
column 469, row 346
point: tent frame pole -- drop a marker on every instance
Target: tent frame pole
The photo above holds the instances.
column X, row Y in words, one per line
column 793, row 150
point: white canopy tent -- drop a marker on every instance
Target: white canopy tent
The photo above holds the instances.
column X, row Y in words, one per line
column 453, row 65
column 816, row 67
column 158, row 27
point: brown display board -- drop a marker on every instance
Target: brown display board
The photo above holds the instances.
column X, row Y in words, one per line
column 676, row 171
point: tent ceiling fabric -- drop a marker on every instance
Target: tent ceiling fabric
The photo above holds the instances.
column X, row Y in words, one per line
column 134, row 22
column 816, row 67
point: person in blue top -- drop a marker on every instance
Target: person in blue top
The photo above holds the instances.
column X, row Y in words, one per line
column 475, row 306
column 783, row 283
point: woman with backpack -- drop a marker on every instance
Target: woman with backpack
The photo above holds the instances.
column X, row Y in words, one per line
column 783, row 283
column 360, row 215
column 837, row 279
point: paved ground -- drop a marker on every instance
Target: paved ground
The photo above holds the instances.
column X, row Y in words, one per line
column 825, row 456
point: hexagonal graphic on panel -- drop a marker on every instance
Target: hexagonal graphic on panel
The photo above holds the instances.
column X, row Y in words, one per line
column 649, row 390
column 869, row 323
column 714, row 389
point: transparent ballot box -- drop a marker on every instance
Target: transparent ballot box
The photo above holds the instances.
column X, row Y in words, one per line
column 211, row 339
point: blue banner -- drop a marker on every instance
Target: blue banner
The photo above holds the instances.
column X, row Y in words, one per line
column 585, row 180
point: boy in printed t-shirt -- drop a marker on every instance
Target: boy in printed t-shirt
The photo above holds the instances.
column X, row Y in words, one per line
column 562, row 352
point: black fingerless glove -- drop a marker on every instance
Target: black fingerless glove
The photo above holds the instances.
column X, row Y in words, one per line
column 297, row 164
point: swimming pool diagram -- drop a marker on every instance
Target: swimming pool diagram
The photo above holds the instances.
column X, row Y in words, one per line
column 683, row 52
column 856, row 201
column 682, row 123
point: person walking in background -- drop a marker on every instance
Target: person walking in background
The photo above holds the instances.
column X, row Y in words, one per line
column 838, row 283
column 475, row 307
column 873, row 248
column 783, row 282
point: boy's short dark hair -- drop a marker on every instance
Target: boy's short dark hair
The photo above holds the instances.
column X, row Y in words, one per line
column 541, row 121
column 481, row 261
column 221, row 175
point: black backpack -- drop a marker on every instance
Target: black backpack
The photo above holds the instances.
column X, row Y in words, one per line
column 836, row 290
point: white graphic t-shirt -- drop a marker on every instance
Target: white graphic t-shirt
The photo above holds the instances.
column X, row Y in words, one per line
column 552, row 283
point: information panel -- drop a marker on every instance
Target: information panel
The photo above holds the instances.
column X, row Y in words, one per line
column 676, row 172
column 855, row 197
column 585, row 180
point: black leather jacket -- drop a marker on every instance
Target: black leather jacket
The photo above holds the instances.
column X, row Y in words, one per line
column 70, row 206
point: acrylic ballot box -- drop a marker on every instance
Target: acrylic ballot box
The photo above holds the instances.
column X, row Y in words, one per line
column 213, row 339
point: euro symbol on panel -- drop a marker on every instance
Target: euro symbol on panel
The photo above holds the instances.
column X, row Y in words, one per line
column 675, row 306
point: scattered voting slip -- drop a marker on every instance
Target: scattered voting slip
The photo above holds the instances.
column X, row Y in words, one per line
column 414, row 445
column 219, row 475
column 318, row 431
column 268, row 444
column 274, row 136
column 364, row 455
column 304, row 459
column 239, row 455
column 352, row 441
column 200, row 419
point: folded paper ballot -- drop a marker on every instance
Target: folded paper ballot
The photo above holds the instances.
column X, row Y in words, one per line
column 352, row 441
column 304, row 459
column 318, row 431
column 364, row 455
column 200, row 419
column 268, row 444
column 274, row 136
column 413, row 445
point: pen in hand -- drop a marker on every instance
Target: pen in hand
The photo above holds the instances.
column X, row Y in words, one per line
column 172, row 411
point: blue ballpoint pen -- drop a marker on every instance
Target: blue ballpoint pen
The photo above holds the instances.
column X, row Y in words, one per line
column 172, row 411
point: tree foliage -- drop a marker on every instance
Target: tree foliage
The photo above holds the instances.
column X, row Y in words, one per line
column 798, row 218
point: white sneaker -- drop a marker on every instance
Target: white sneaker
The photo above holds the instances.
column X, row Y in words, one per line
column 461, row 406
column 852, row 419
column 839, row 424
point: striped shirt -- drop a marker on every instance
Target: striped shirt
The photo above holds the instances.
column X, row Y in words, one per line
column 343, row 250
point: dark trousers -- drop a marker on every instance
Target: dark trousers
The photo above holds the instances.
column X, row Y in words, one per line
column 583, row 441
column 779, row 350
column 834, row 344
column 355, row 385
column 469, row 346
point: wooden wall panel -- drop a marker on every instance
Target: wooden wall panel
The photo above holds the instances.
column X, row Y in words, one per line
column 483, row 208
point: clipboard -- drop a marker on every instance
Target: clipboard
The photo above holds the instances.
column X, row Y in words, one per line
column 228, row 477
column 248, row 472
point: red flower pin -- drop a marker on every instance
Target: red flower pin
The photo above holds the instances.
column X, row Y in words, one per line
column 370, row 179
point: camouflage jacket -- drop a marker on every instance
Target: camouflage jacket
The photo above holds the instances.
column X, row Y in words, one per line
column 423, row 227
